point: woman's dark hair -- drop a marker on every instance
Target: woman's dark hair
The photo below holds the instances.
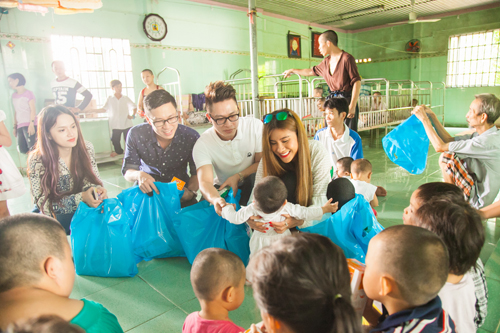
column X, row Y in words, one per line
column 48, row 151
column 18, row 76
column 303, row 281
column 338, row 103
column 439, row 190
column 459, row 226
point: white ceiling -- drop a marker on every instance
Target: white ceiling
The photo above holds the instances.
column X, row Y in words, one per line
column 332, row 12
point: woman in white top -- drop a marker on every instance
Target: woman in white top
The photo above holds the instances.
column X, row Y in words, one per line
column 303, row 165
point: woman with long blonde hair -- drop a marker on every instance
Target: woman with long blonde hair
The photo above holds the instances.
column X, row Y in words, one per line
column 303, row 165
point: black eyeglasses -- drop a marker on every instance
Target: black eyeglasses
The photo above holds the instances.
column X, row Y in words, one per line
column 222, row 120
column 282, row 115
column 161, row 123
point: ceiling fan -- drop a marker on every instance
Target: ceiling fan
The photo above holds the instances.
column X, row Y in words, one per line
column 413, row 17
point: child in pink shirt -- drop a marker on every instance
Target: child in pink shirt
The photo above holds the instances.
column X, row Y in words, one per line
column 218, row 280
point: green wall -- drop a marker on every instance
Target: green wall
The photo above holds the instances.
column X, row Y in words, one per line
column 431, row 63
column 207, row 43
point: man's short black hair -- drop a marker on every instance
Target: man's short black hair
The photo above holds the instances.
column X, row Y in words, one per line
column 270, row 194
column 214, row 270
column 344, row 164
column 459, row 226
column 331, row 36
column 417, row 259
column 147, row 70
column 18, row 76
column 25, row 241
column 158, row 98
column 338, row 103
column 341, row 190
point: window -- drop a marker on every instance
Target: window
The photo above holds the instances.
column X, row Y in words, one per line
column 94, row 62
column 473, row 60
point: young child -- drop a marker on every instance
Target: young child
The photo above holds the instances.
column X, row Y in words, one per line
column 361, row 174
column 148, row 78
column 460, row 227
column 344, row 167
column 270, row 204
column 340, row 190
column 218, row 280
column 118, row 108
column 25, row 123
column 406, row 267
column 37, row 275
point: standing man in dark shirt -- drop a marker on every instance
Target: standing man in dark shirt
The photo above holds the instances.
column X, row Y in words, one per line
column 161, row 149
column 340, row 73
column 66, row 88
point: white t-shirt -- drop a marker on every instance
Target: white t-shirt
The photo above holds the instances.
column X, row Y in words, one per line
column 229, row 157
column 118, row 110
column 459, row 301
column 367, row 190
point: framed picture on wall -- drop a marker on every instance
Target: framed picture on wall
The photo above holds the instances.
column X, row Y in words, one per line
column 315, row 44
column 294, row 46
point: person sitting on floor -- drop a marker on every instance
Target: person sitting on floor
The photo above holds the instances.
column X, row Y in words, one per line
column 37, row 275
column 471, row 162
column 406, row 267
column 218, row 280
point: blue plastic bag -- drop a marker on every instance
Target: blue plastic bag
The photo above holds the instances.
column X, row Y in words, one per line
column 153, row 232
column 199, row 228
column 102, row 241
column 351, row 228
column 408, row 145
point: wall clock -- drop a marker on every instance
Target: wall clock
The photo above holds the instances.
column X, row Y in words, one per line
column 154, row 27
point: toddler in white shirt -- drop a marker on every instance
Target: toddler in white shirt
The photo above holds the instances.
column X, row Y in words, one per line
column 270, row 204
column 361, row 174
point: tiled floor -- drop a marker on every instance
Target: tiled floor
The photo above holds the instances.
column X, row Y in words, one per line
column 160, row 296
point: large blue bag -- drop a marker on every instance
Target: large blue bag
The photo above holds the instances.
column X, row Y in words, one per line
column 199, row 228
column 153, row 233
column 408, row 145
column 102, row 241
column 351, row 228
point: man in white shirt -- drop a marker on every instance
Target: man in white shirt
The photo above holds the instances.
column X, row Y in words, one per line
column 476, row 155
column 65, row 89
column 118, row 108
column 232, row 147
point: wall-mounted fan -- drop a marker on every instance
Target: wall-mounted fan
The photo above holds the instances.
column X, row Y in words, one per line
column 412, row 18
column 413, row 46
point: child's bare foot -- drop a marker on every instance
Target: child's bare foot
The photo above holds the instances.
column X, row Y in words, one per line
column 381, row 192
column 113, row 154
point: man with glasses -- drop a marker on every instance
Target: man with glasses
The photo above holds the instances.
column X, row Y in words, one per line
column 161, row 149
column 232, row 147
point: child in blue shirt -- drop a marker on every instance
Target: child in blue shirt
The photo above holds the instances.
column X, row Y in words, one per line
column 406, row 267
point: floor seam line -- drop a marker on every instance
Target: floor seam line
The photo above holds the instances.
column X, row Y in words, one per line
column 159, row 292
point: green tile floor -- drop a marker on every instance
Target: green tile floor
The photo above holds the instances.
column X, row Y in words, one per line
column 159, row 298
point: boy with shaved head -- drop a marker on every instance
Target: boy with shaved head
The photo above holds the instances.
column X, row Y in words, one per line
column 218, row 280
column 37, row 276
column 406, row 267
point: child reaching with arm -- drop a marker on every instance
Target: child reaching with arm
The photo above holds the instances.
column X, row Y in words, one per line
column 270, row 204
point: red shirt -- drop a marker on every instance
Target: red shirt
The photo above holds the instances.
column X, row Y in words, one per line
column 344, row 76
column 195, row 324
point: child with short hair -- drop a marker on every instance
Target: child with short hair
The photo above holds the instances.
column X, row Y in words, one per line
column 44, row 324
column 344, row 167
column 37, row 275
column 270, row 204
column 361, row 174
column 406, row 267
column 148, row 78
column 341, row 190
column 218, row 280
column 118, row 107
column 461, row 229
